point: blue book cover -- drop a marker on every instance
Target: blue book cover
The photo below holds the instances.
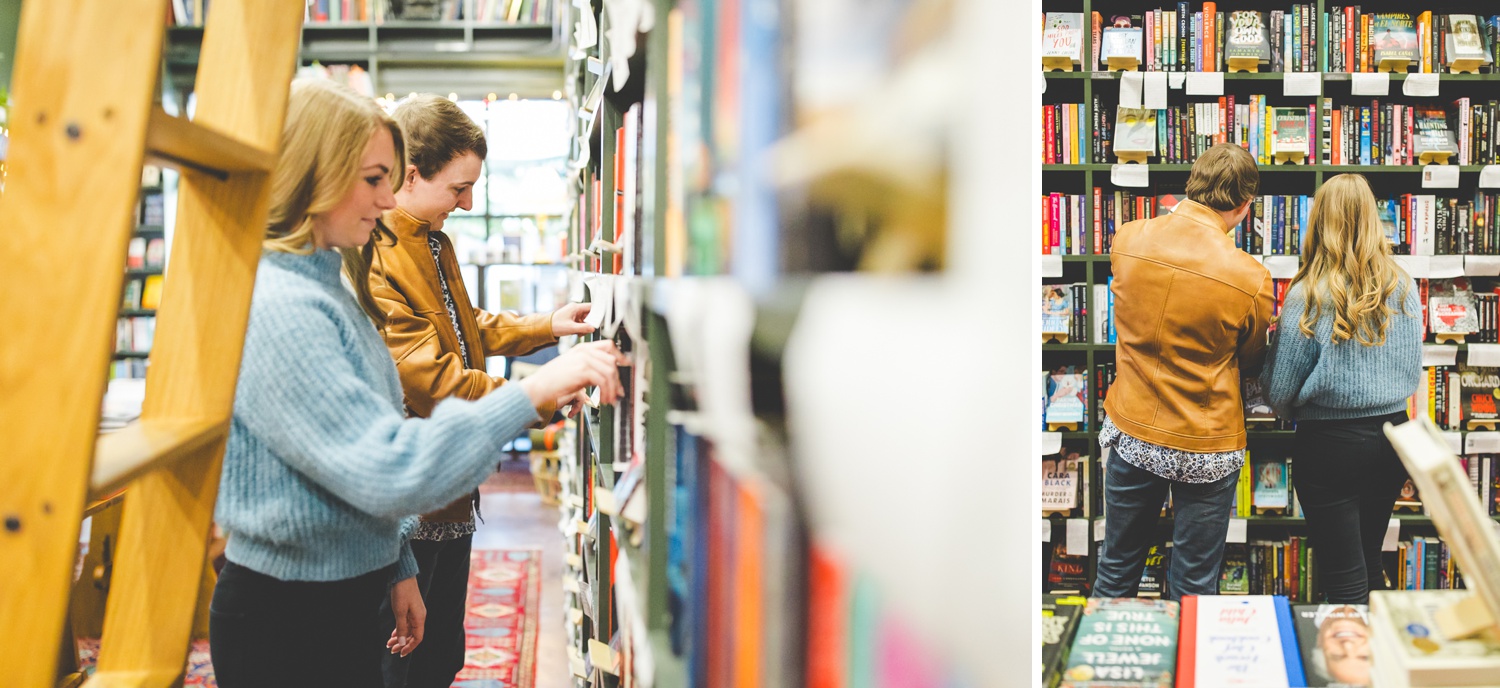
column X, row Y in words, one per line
column 1304, row 206
column 1364, row 136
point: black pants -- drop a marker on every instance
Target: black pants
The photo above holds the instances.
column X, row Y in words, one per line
column 269, row 632
column 1347, row 476
column 443, row 578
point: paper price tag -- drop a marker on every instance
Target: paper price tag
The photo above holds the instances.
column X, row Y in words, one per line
column 1046, row 530
column 1480, row 266
column 1302, row 84
column 1282, row 267
column 1099, row 530
column 1051, row 443
column 1237, row 531
column 1439, row 355
column 1416, row 267
column 1445, row 267
column 1370, row 84
column 1155, row 95
column 1489, row 177
column 1205, row 83
column 1392, row 535
column 1455, row 441
column 1051, row 266
column 1131, row 86
column 1440, row 177
column 1420, row 85
column 1482, row 442
column 1175, row 79
column 1078, row 536
column 1129, row 174
column 1484, row 355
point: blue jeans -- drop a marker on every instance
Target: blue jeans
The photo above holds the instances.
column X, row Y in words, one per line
column 1133, row 498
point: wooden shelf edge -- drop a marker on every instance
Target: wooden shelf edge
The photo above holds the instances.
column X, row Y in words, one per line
column 147, row 445
column 178, row 142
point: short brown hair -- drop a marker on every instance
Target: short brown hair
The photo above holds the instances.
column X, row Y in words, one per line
column 1223, row 178
column 437, row 131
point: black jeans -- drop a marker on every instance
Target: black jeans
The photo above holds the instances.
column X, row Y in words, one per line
column 268, row 632
column 1347, row 476
column 443, row 578
column 1133, row 499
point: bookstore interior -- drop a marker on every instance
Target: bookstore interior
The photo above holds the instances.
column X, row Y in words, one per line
column 780, row 489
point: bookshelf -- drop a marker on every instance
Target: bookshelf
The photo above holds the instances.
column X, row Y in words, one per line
column 1089, row 88
column 145, row 269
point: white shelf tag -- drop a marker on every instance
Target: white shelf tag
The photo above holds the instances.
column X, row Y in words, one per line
column 1486, row 442
column 1484, row 356
column 1051, row 266
column 1282, row 267
column 1175, row 79
column 1078, row 537
column 1440, row 177
column 1046, row 530
column 1455, row 441
column 1155, row 95
column 1205, row 83
column 1445, row 267
column 1236, row 533
column 1099, row 530
column 1370, row 84
column 1439, row 355
column 1489, row 177
column 1130, row 174
column 1392, row 535
column 1051, row 443
column 1480, row 266
column 1420, row 85
column 1131, row 85
column 1302, row 84
column 1416, row 267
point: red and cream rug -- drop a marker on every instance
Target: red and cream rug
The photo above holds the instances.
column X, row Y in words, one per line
column 504, row 593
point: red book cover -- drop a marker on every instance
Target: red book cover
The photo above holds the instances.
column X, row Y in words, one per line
column 827, row 614
column 721, row 573
column 1098, row 221
column 1049, row 142
column 1053, row 214
column 619, row 196
column 1187, row 642
column 596, row 228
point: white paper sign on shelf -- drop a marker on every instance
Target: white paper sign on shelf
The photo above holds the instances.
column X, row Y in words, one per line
column 1155, row 95
column 1392, row 535
column 1486, row 442
column 1416, row 267
column 1420, row 85
column 1439, row 355
column 1051, row 266
column 1455, row 441
column 1440, row 177
column 1051, row 443
column 1484, row 355
column 1099, row 530
column 1046, row 530
column 1130, row 174
column 1078, row 536
column 1489, row 177
column 1479, row 266
column 1131, row 85
column 1282, row 267
column 1175, row 79
column 1370, row 83
column 1259, row 259
column 1236, row 533
column 1205, row 83
column 1302, row 84
column 1445, row 267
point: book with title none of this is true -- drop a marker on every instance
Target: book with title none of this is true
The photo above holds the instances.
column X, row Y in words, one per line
column 1124, row 643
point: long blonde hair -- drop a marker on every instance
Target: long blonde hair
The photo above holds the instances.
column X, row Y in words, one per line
column 1347, row 271
column 327, row 129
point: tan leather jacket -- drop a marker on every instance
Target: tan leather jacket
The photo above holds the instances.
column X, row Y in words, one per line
column 1191, row 311
column 421, row 337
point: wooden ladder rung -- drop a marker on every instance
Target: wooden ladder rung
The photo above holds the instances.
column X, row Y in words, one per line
column 178, row 142
column 133, row 679
column 146, row 445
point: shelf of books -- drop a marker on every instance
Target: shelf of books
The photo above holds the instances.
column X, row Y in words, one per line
column 145, row 263
column 1136, row 90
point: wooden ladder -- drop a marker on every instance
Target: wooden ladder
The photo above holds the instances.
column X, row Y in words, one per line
column 82, row 125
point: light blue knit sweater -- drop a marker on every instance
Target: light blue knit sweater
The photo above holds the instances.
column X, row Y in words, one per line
column 323, row 472
column 1309, row 378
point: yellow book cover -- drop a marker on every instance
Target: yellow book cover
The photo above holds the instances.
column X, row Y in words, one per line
column 151, row 294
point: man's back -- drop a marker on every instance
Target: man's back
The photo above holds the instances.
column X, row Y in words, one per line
column 1190, row 311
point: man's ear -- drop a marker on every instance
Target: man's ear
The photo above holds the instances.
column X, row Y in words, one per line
column 411, row 175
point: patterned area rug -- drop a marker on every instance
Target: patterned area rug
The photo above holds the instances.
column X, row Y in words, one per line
column 200, row 671
column 504, row 592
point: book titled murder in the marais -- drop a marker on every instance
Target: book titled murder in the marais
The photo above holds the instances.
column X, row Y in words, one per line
column 1124, row 642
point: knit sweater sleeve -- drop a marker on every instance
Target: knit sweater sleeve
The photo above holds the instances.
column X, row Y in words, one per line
column 1293, row 356
column 300, row 394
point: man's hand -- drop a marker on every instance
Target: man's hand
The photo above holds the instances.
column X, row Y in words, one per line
column 411, row 617
column 569, row 320
column 595, row 364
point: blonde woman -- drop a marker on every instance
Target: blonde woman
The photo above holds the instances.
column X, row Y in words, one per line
column 323, row 470
column 1346, row 354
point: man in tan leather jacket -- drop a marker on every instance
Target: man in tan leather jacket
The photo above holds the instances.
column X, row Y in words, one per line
column 1191, row 312
column 440, row 342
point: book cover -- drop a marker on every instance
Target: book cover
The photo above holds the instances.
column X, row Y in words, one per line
column 1257, row 406
column 1451, row 304
column 1288, row 130
column 1057, row 308
column 1432, row 133
column 1060, row 614
column 1135, row 131
column 1234, row 575
column 1060, row 480
column 1237, row 641
column 1063, row 36
column 151, row 292
column 1121, row 38
column 1270, row 491
column 1464, row 40
column 1124, row 642
column 1154, row 573
column 1393, row 36
column 1066, row 394
column 1066, row 572
column 1335, row 644
column 1247, row 37
column 1479, row 387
